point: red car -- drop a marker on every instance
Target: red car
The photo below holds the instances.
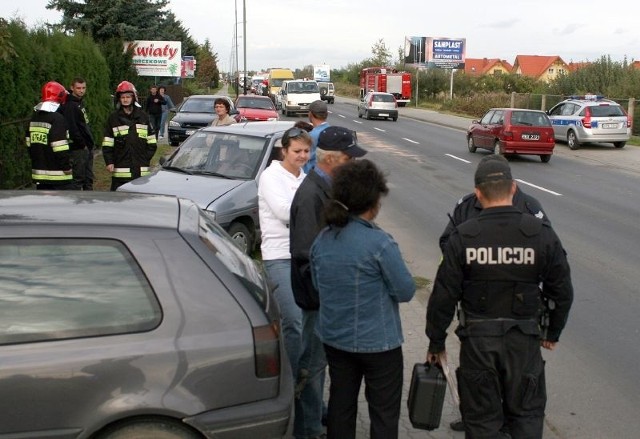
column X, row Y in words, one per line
column 254, row 108
column 513, row 131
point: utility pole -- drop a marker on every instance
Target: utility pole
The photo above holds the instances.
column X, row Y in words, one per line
column 244, row 43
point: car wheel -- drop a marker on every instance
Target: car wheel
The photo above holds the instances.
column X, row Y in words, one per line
column 150, row 429
column 496, row 148
column 331, row 101
column 619, row 144
column 366, row 115
column 241, row 235
column 395, row 119
column 572, row 140
column 545, row 158
column 359, row 114
column 472, row 146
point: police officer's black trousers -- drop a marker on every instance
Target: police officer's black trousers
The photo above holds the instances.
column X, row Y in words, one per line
column 502, row 386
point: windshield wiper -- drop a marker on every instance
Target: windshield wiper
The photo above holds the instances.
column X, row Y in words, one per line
column 177, row 169
column 211, row 173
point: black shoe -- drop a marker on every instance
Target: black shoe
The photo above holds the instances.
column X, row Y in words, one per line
column 457, row 425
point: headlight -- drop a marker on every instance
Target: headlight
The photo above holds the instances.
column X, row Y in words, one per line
column 173, row 123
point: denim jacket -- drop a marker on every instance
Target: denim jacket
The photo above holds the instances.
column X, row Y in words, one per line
column 361, row 278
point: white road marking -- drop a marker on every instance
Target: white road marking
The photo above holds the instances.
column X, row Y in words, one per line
column 357, row 121
column 458, row 158
column 412, row 141
column 342, row 116
column 379, row 129
column 538, row 187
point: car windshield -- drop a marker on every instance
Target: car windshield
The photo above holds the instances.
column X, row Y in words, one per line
column 198, row 106
column 264, row 104
column 219, row 154
column 530, row 118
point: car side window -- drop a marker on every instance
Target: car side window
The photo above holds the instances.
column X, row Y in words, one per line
column 498, row 118
column 568, row 109
column 487, row 117
column 58, row 289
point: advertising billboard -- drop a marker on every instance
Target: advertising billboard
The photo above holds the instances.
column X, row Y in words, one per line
column 156, row 58
column 446, row 53
column 415, row 52
column 322, row 73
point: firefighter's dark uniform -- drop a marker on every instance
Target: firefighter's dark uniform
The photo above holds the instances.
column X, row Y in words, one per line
column 129, row 144
column 48, row 143
column 493, row 265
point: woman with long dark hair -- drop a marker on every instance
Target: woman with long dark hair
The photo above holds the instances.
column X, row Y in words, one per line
column 361, row 278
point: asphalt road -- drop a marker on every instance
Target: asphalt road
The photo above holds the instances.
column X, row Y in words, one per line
column 592, row 199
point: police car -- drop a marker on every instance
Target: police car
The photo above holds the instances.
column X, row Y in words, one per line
column 590, row 119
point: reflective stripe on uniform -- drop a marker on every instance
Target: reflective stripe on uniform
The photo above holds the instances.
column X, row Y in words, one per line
column 142, row 130
column 108, row 141
column 121, row 130
column 152, row 140
column 27, row 140
column 145, row 170
column 60, row 145
column 43, row 174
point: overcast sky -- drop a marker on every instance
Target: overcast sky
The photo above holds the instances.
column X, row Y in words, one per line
column 294, row 33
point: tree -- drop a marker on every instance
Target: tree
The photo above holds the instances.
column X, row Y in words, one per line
column 207, row 73
column 381, row 54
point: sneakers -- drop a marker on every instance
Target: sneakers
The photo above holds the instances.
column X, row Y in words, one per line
column 457, row 425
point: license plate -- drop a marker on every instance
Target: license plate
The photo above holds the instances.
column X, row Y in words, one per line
column 384, row 114
column 609, row 125
column 530, row 137
column 190, row 132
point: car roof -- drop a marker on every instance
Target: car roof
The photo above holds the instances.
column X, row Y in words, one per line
column 515, row 109
column 252, row 128
column 89, row 208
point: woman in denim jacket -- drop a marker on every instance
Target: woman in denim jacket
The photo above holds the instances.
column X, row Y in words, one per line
column 361, row 278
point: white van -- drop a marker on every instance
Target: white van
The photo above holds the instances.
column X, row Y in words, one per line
column 297, row 95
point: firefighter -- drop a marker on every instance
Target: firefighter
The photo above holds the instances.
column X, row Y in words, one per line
column 48, row 141
column 492, row 269
column 129, row 139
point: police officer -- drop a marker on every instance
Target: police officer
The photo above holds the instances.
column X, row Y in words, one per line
column 492, row 267
column 129, row 139
column 47, row 140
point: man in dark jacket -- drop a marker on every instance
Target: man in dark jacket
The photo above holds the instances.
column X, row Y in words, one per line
column 154, row 104
column 492, row 268
column 336, row 146
column 80, row 137
column 129, row 140
column 47, row 140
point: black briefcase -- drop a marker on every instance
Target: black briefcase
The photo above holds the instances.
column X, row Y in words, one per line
column 426, row 396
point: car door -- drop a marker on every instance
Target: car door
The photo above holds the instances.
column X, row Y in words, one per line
column 481, row 133
column 560, row 119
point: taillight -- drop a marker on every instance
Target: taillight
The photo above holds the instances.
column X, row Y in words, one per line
column 508, row 135
column 629, row 121
column 266, row 342
column 586, row 120
column 370, row 100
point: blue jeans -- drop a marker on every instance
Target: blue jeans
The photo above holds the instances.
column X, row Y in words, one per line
column 279, row 272
column 310, row 385
column 163, row 122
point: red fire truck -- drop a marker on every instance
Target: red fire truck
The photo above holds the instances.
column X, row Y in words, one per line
column 386, row 79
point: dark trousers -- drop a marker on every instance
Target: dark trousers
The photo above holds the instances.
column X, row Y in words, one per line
column 79, row 167
column 382, row 372
column 88, row 172
column 502, row 386
column 156, row 120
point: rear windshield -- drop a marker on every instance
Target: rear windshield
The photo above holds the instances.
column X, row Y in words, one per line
column 383, row 98
column 606, row 110
column 530, row 119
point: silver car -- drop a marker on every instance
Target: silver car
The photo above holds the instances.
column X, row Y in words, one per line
column 590, row 119
column 379, row 105
column 218, row 168
column 133, row 316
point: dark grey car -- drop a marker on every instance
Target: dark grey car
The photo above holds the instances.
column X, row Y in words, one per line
column 219, row 168
column 133, row 316
column 194, row 113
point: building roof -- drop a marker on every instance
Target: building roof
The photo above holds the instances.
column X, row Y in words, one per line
column 482, row 66
column 534, row 65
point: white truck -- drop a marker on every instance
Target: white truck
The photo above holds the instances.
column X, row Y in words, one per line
column 296, row 96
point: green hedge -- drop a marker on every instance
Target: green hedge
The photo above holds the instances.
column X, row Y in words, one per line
column 34, row 57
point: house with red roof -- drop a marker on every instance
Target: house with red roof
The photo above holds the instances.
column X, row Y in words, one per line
column 542, row 68
column 486, row 66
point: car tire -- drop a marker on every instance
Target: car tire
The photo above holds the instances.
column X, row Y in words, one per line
column 149, row 429
column 366, row 115
column 395, row 119
column 545, row 158
column 496, row 148
column 241, row 235
column 619, row 144
column 359, row 114
column 572, row 140
column 471, row 145
column 331, row 101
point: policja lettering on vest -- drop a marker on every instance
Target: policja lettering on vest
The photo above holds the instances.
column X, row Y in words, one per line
column 501, row 256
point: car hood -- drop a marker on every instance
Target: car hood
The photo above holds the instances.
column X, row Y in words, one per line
column 201, row 189
column 194, row 117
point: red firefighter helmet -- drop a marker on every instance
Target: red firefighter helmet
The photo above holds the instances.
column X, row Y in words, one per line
column 54, row 92
column 126, row 87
